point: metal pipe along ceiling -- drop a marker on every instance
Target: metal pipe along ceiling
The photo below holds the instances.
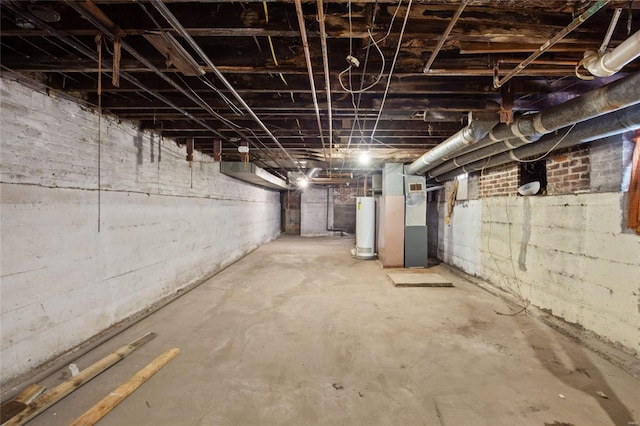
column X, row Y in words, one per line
column 619, row 94
column 173, row 21
column 107, row 32
column 613, row 61
column 100, row 26
column 599, row 4
column 307, row 56
column 327, row 80
column 473, row 132
column 444, row 36
column 597, row 128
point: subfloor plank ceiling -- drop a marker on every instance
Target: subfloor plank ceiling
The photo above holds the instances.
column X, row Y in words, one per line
column 391, row 78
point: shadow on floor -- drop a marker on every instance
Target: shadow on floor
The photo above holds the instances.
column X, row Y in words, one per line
column 571, row 364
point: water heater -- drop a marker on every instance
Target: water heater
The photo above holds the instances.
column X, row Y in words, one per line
column 365, row 227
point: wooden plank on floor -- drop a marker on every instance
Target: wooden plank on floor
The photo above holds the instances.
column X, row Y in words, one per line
column 11, row 408
column 403, row 279
column 62, row 390
column 98, row 411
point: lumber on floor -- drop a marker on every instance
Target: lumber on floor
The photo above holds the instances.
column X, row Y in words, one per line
column 98, row 411
column 56, row 394
column 403, row 279
column 14, row 406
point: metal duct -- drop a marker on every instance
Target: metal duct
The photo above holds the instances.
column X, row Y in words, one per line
column 619, row 94
column 597, row 128
column 525, row 129
column 313, row 172
column 475, row 131
column 613, row 61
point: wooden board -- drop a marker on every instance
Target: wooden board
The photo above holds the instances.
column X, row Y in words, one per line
column 99, row 410
column 431, row 279
column 51, row 397
column 12, row 408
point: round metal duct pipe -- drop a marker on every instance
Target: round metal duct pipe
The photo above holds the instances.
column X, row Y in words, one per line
column 597, row 128
column 475, row 131
column 619, row 94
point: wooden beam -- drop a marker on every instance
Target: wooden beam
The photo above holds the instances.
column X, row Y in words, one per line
column 11, row 408
column 468, row 47
column 195, row 32
column 217, row 150
column 106, row 404
column 62, row 390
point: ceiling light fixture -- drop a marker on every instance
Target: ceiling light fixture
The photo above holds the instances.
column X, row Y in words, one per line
column 364, row 158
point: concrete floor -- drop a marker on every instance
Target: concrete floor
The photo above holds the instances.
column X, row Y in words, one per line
column 298, row 332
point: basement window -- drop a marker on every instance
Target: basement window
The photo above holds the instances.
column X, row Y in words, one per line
column 534, row 172
column 463, row 187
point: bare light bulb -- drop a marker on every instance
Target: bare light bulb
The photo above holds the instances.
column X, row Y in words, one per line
column 364, row 158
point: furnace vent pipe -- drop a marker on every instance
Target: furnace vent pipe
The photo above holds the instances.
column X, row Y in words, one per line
column 597, row 128
column 313, row 172
column 613, row 61
column 619, row 94
column 475, row 131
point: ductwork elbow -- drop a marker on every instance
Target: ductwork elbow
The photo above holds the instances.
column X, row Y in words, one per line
column 313, row 172
column 604, row 65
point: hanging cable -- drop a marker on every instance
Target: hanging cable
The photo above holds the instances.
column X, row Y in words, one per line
column 98, row 40
column 356, row 64
column 393, row 64
column 273, row 52
column 512, row 155
column 356, row 105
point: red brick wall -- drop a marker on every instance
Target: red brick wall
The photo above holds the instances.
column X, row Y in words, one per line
column 568, row 172
column 344, row 194
column 500, row 181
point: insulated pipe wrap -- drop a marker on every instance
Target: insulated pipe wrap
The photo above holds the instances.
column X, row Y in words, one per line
column 619, row 94
column 597, row 128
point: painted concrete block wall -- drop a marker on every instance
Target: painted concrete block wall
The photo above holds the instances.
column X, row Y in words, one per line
column 461, row 239
column 568, row 253
column 163, row 225
column 313, row 212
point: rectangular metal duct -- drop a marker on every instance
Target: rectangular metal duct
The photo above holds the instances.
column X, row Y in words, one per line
column 249, row 172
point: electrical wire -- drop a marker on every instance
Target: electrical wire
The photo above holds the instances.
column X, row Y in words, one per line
column 362, row 90
column 356, row 105
column 393, row 64
column 393, row 18
column 548, row 152
column 485, row 204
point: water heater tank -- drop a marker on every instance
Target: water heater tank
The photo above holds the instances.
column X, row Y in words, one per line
column 365, row 228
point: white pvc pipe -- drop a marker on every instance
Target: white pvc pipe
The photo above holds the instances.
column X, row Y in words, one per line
column 613, row 61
